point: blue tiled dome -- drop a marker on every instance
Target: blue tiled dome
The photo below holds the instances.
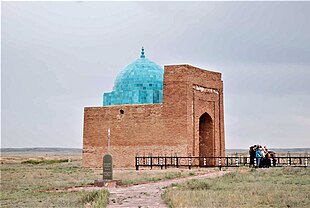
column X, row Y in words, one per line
column 141, row 82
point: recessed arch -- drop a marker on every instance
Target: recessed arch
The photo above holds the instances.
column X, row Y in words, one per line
column 206, row 136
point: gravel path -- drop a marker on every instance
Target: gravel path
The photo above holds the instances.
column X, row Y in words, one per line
column 148, row 195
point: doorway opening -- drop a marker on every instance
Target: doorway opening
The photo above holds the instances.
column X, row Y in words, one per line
column 206, row 140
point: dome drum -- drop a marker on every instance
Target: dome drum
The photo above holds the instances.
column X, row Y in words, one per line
column 132, row 97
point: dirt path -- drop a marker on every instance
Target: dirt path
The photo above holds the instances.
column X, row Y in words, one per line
column 148, row 195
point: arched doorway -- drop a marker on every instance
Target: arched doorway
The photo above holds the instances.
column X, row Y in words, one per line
column 206, row 140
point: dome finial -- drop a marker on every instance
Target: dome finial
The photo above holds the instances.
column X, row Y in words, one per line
column 142, row 53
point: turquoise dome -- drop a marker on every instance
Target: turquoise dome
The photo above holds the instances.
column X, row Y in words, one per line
column 141, row 82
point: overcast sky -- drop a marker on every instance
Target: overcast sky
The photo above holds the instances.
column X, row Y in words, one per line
column 58, row 57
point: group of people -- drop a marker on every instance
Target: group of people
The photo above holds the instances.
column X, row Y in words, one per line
column 261, row 157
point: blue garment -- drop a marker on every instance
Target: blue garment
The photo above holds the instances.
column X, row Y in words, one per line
column 258, row 153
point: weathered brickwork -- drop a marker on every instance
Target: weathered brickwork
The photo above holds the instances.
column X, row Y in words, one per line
column 190, row 121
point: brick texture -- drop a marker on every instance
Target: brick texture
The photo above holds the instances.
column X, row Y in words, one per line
column 189, row 122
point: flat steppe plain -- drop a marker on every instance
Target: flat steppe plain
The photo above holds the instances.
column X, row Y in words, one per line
column 25, row 183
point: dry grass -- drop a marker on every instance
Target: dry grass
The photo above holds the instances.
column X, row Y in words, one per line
column 96, row 198
column 274, row 187
column 35, row 162
column 25, row 184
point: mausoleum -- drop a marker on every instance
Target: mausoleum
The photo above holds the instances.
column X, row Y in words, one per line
column 177, row 110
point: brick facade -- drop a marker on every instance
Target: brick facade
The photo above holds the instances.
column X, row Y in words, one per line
column 190, row 121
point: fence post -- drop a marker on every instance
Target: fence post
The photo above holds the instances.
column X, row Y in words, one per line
column 237, row 161
column 161, row 162
column 288, row 161
column 189, row 162
column 165, row 162
column 151, row 162
column 306, row 162
column 137, row 163
column 220, row 163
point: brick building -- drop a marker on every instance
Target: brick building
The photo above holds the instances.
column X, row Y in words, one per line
column 178, row 110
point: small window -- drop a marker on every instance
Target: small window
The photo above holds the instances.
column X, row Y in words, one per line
column 121, row 111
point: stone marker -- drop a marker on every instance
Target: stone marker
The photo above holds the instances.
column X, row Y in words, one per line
column 107, row 167
column 107, row 180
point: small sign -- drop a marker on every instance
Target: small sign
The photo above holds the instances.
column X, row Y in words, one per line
column 107, row 167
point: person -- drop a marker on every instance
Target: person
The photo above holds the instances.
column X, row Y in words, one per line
column 264, row 161
column 258, row 156
column 252, row 155
column 268, row 159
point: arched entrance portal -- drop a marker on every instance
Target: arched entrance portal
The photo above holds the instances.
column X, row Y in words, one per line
column 206, row 138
